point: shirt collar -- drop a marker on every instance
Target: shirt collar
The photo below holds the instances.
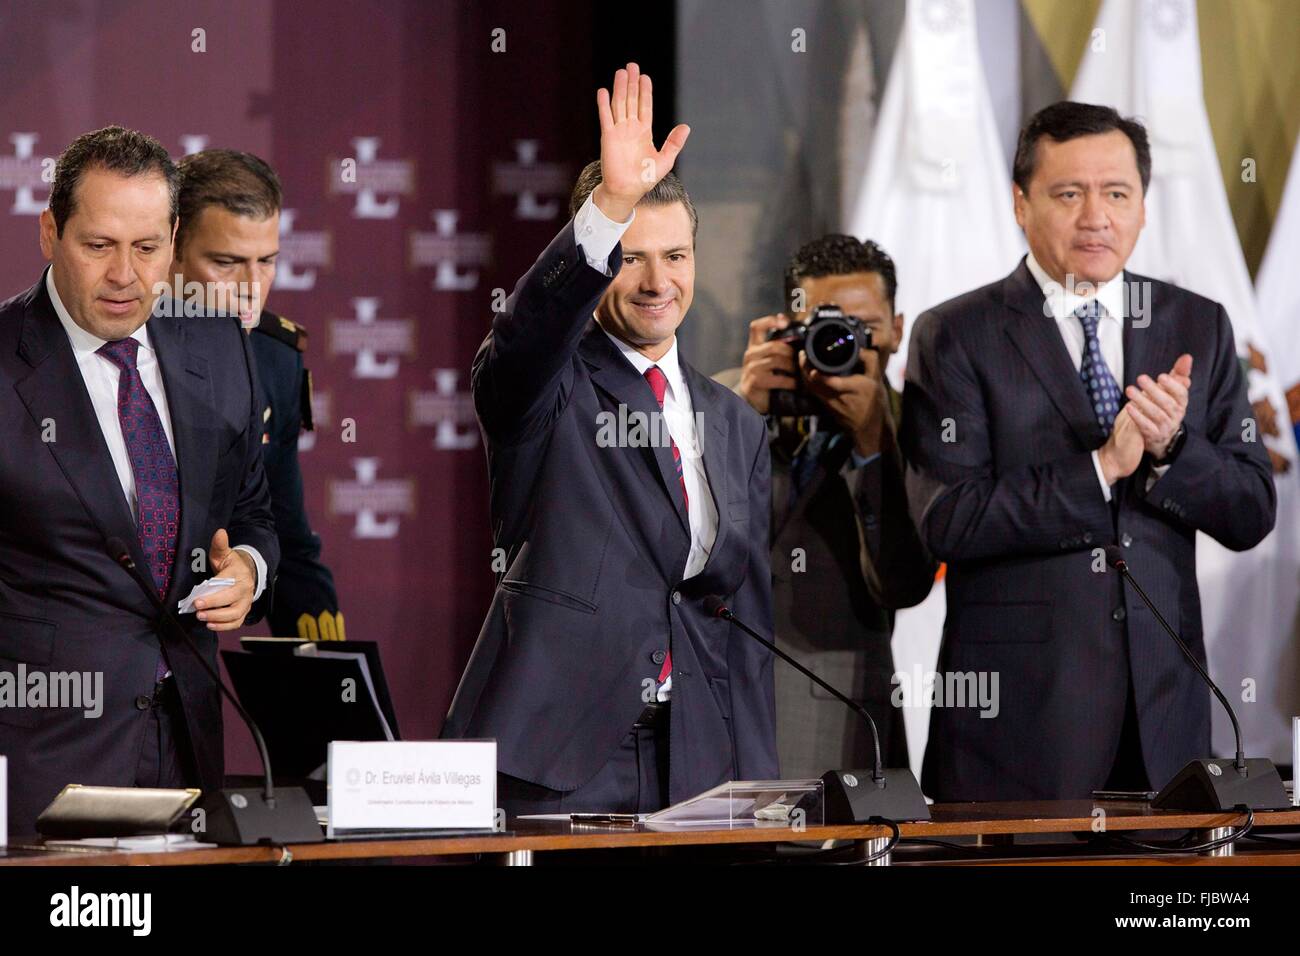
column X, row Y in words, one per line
column 83, row 341
column 1064, row 302
column 669, row 365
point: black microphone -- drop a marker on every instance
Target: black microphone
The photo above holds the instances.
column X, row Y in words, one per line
column 235, row 816
column 1202, row 784
column 894, row 794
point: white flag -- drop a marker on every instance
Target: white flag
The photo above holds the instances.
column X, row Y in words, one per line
column 1279, row 320
column 1276, row 288
column 1144, row 59
column 937, row 198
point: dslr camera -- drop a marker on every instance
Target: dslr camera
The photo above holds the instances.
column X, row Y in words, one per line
column 833, row 343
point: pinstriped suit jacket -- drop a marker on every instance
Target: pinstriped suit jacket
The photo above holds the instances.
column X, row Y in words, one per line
column 997, row 431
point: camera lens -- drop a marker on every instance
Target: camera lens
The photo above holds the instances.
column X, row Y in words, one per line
column 832, row 348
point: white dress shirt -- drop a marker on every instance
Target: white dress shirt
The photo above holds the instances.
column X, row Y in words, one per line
column 680, row 421
column 597, row 234
column 100, row 376
column 1064, row 303
column 702, row 513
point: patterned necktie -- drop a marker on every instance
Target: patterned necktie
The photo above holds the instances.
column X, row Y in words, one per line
column 659, row 385
column 157, row 489
column 1103, row 392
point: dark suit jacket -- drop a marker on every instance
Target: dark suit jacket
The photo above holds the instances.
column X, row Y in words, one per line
column 304, row 584
column 845, row 556
column 595, row 542
column 997, row 431
column 863, row 559
column 65, row 605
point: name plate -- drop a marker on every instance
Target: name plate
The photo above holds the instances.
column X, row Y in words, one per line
column 411, row 785
column 1295, row 763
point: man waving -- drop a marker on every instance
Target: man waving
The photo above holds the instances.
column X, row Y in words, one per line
column 625, row 488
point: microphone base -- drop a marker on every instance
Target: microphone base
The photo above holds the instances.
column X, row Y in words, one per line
column 241, row 817
column 1209, row 785
column 851, row 796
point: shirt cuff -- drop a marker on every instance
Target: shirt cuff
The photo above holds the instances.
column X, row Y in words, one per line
column 597, row 234
column 1101, row 475
column 261, row 568
column 1155, row 473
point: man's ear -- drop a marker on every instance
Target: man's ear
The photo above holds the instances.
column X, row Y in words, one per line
column 1018, row 201
column 898, row 328
column 49, row 234
column 175, row 268
column 602, row 307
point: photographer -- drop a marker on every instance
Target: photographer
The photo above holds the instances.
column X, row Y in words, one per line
column 845, row 553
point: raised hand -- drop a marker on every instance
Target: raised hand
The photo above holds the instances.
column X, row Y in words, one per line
column 1158, row 405
column 629, row 163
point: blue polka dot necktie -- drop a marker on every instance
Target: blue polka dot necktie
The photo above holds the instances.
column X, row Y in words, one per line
column 157, row 488
column 1103, row 391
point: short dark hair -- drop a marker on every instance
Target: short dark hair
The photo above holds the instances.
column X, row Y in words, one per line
column 1068, row 120
column 839, row 255
column 116, row 149
column 665, row 192
column 240, row 183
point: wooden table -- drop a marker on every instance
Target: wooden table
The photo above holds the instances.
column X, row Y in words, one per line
column 989, row 833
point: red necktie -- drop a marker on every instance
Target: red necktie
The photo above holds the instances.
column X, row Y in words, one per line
column 659, row 385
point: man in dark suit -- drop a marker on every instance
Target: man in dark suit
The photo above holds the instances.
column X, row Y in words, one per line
column 120, row 426
column 625, row 489
column 845, row 553
column 226, row 249
column 1071, row 406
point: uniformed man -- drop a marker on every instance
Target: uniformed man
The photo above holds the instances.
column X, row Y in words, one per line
column 227, row 242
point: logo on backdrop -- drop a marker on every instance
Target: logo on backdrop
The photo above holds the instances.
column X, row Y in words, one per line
column 377, row 505
column 449, row 410
column 301, row 254
column 21, row 173
column 526, row 179
column 377, row 343
column 449, row 251
column 369, row 178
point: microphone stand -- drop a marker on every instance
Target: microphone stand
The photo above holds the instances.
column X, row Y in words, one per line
column 236, row 817
column 893, row 794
